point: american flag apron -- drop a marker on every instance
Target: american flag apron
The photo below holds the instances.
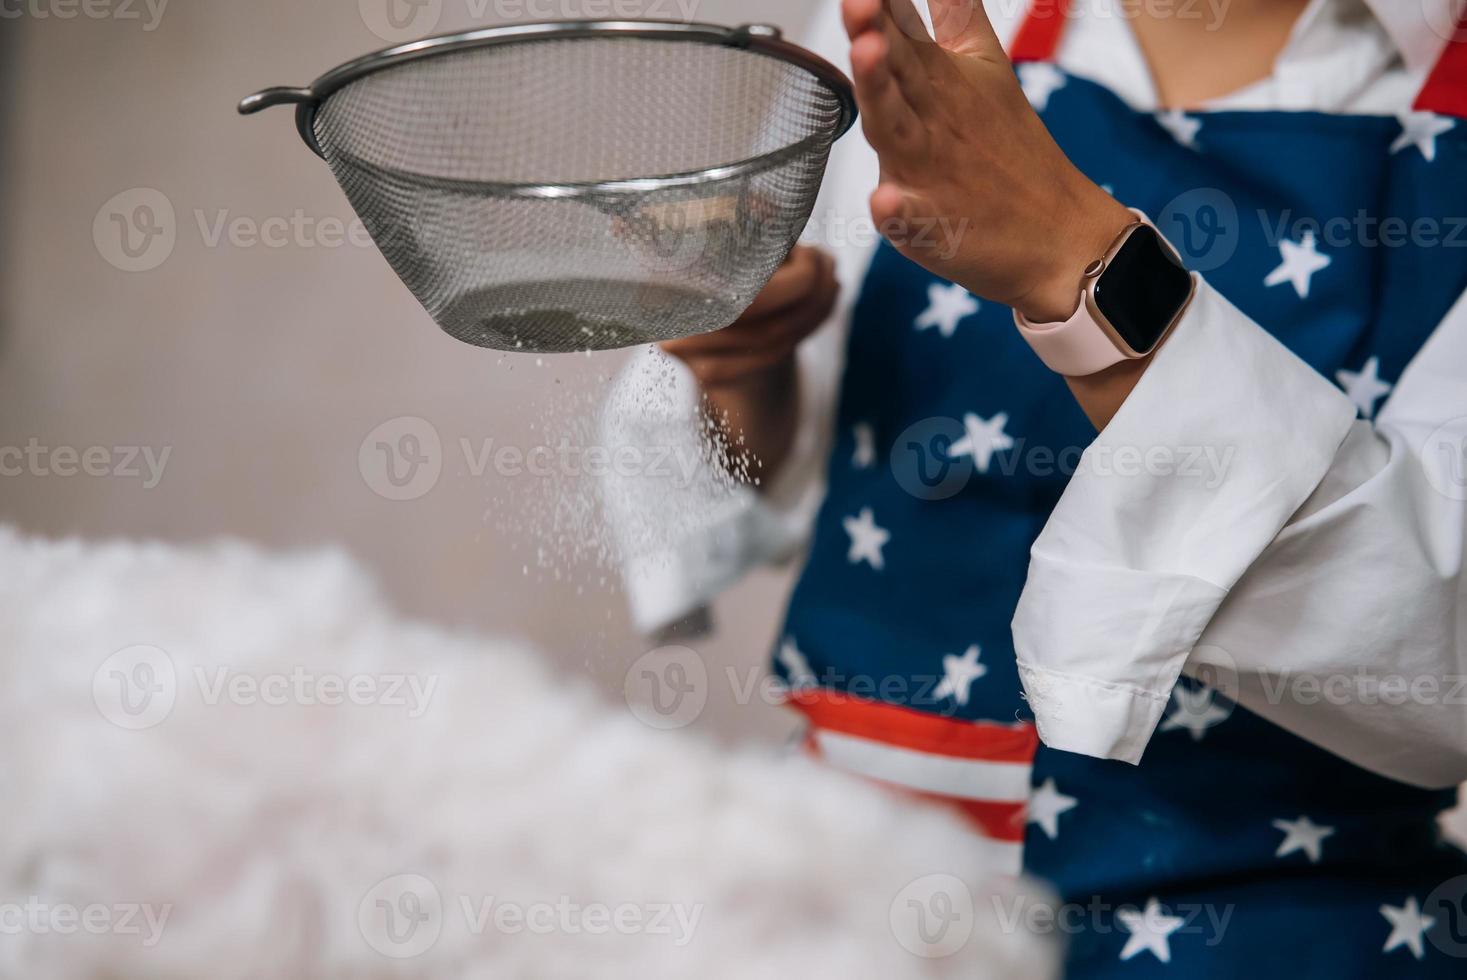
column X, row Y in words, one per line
column 1234, row 845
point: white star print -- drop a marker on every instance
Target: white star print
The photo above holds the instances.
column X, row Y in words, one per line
column 1149, row 931
column 1408, row 925
column 950, row 304
column 1196, row 711
column 795, row 665
column 1301, row 261
column 1184, row 128
column 959, row 673
column 1302, row 835
column 984, row 438
column 867, row 540
column 865, row 455
column 1040, row 80
column 1045, row 806
column 1420, row 129
column 1364, row 387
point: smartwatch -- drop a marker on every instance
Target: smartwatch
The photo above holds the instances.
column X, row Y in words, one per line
column 1131, row 298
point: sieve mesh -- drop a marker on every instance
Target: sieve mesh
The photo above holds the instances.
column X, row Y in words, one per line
column 481, row 176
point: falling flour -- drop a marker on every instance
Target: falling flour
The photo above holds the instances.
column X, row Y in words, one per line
column 623, row 474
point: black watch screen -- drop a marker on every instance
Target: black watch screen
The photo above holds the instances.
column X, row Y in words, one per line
column 1143, row 289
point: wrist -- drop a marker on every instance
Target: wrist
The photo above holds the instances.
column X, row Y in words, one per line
column 747, row 377
column 1076, row 238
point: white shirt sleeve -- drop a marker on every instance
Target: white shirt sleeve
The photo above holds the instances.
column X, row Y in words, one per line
column 681, row 543
column 1236, row 516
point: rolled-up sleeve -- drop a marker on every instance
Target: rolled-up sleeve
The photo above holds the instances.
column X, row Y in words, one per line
column 1221, row 443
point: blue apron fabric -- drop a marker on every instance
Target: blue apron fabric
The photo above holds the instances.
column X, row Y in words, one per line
column 1194, row 824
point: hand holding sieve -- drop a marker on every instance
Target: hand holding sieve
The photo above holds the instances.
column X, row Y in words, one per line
column 580, row 185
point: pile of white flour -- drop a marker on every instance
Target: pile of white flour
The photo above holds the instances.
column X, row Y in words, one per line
column 224, row 764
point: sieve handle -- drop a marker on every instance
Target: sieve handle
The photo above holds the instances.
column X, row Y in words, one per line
column 280, row 95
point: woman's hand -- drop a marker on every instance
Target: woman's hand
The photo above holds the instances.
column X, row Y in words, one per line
column 748, row 370
column 797, row 300
column 959, row 142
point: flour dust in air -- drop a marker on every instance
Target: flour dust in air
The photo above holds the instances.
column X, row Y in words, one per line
column 625, row 470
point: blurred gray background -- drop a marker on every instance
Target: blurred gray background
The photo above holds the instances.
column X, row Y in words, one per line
column 262, row 369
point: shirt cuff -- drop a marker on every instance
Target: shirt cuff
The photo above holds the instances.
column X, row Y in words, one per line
column 1118, row 719
column 1222, row 440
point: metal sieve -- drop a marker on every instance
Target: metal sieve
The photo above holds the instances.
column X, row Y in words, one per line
column 580, row 185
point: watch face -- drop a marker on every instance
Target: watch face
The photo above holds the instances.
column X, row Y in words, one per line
column 1142, row 290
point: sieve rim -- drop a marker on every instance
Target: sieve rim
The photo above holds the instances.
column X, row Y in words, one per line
column 631, row 186
column 760, row 38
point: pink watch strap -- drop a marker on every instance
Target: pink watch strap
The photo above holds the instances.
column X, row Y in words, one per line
column 1076, row 347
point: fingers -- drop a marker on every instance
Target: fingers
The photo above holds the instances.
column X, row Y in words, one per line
column 893, row 83
column 791, row 282
column 907, row 48
column 860, row 16
column 794, row 323
column 890, row 122
column 962, row 26
column 752, row 346
column 798, row 299
column 808, row 311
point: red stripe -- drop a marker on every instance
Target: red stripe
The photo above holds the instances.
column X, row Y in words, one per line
column 1446, row 88
column 997, row 820
column 1039, row 36
column 917, row 730
column 1001, row 821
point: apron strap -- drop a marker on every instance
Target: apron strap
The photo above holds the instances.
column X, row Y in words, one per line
column 1038, row 37
column 1445, row 91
